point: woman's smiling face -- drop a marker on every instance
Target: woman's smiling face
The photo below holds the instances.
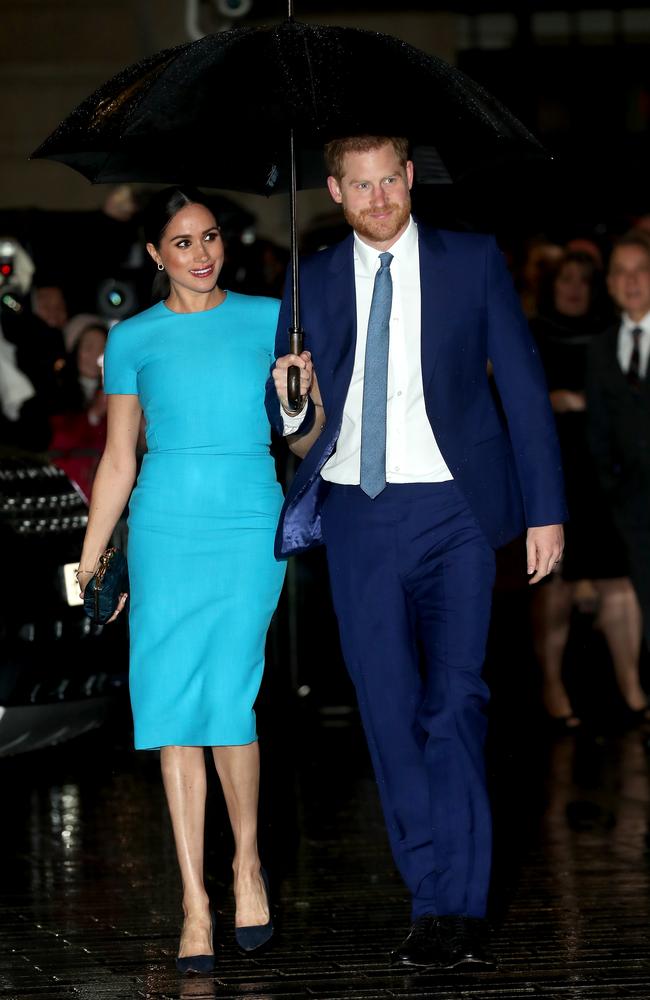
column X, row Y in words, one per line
column 191, row 249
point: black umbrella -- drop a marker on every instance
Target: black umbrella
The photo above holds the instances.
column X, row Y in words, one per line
column 249, row 110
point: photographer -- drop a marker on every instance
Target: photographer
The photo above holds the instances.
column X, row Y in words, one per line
column 30, row 356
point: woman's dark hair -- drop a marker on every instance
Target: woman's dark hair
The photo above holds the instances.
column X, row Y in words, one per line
column 591, row 271
column 161, row 209
column 71, row 398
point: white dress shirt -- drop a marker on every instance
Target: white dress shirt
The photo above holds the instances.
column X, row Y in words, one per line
column 626, row 343
column 412, row 454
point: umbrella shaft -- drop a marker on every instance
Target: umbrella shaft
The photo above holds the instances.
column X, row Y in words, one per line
column 295, row 290
column 295, row 341
column 295, row 332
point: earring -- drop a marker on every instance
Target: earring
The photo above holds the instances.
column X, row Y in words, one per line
column 161, row 267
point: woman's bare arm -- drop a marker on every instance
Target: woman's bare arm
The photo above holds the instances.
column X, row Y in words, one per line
column 298, row 444
column 113, row 482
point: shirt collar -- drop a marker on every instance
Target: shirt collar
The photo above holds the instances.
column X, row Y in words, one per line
column 644, row 324
column 368, row 256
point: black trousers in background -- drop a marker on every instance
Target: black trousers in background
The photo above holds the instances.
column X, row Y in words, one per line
column 633, row 522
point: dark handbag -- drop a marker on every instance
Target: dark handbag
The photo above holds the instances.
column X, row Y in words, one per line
column 102, row 593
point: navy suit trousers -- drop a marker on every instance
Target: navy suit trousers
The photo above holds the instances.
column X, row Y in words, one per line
column 412, row 575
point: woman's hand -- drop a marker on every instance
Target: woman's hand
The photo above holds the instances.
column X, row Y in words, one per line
column 84, row 576
column 304, row 363
column 118, row 609
column 301, row 443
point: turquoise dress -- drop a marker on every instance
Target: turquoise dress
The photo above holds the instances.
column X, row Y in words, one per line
column 203, row 579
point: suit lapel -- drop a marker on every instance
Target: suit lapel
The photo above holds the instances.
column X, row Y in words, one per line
column 614, row 373
column 341, row 314
column 612, row 352
column 435, row 296
column 614, row 366
column 437, row 305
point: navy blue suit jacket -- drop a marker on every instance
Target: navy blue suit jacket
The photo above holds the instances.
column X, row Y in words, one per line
column 509, row 470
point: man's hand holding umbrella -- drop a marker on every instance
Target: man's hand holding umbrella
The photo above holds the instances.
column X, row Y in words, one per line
column 304, row 363
column 300, row 443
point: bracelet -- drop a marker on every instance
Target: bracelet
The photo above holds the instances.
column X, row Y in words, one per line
column 79, row 570
column 295, row 413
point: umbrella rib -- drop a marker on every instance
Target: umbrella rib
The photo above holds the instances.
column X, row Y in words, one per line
column 101, row 169
column 311, row 79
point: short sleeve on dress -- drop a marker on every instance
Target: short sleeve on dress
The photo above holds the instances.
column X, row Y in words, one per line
column 120, row 371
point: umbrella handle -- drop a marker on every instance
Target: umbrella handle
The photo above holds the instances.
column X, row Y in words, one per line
column 293, row 387
column 294, row 396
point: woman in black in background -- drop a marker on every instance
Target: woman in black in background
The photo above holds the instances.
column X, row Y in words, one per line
column 79, row 421
column 571, row 313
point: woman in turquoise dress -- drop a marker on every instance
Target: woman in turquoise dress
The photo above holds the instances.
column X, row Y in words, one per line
column 203, row 579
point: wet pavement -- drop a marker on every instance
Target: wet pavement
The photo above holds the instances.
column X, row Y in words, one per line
column 89, row 896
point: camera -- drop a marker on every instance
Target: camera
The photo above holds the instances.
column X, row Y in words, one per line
column 233, row 8
column 7, row 266
column 16, row 272
column 116, row 298
column 7, row 261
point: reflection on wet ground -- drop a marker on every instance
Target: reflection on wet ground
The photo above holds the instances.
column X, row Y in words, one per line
column 89, row 897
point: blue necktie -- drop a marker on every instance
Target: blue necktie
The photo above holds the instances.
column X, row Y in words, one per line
column 375, row 384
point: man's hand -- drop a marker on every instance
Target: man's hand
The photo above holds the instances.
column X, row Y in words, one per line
column 544, row 547
column 567, row 401
column 282, row 365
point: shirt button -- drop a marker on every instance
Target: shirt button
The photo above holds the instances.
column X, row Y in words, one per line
column 396, row 469
column 399, row 392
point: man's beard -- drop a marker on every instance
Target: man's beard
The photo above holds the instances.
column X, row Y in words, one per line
column 379, row 230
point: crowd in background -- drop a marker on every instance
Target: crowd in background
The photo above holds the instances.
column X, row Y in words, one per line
column 64, row 281
column 577, row 302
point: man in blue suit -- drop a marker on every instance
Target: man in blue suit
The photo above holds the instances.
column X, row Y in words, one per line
column 412, row 476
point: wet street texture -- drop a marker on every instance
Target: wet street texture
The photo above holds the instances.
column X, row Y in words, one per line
column 90, row 896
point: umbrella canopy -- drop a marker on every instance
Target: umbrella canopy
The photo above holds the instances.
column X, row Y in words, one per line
column 249, row 110
column 217, row 111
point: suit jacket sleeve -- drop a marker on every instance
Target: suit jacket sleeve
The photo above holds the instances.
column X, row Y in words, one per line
column 523, row 391
column 273, row 408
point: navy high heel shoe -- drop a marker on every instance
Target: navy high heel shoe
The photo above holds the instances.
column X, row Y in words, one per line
column 251, row 938
column 199, row 963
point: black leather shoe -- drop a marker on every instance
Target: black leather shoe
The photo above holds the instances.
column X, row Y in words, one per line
column 461, row 942
column 421, row 947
